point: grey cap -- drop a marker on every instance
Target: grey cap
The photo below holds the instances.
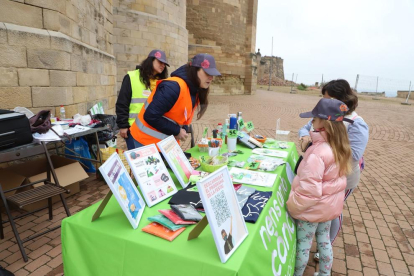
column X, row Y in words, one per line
column 206, row 62
column 328, row 109
column 160, row 55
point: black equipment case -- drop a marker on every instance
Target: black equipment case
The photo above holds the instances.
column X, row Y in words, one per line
column 14, row 129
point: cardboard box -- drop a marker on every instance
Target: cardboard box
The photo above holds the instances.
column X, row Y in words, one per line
column 69, row 173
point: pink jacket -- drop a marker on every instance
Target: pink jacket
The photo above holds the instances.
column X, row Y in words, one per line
column 318, row 192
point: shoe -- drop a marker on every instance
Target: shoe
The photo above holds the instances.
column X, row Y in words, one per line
column 316, row 257
column 316, row 274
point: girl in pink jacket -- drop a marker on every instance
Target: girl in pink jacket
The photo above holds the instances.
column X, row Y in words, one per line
column 318, row 190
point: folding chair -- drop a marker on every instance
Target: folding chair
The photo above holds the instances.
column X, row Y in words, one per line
column 29, row 196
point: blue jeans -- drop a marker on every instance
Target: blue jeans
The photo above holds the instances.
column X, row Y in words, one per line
column 131, row 142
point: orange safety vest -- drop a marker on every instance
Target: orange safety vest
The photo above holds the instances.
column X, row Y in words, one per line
column 181, row 113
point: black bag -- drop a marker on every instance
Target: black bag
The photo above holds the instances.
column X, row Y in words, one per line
column 14, row 129
column 5, row 272
column 40, row 122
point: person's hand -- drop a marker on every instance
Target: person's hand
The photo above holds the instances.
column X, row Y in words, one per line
column 182, row 135
column 305, row 140
column 123, row 132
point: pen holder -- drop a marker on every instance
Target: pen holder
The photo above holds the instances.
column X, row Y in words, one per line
column 213, row 151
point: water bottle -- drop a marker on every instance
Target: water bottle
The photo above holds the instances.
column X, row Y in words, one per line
column 239, row 117
column 62, row 112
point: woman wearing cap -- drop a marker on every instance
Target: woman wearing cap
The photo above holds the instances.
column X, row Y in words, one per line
column 358, row 133
column 170, row 108
column 136, row 87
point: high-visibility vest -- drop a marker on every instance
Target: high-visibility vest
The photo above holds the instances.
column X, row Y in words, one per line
column 181, row 113
column 139, row 95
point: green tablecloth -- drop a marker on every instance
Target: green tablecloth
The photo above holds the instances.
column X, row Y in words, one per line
column 109, row 246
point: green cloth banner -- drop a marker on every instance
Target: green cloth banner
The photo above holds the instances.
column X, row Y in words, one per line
column 109, row 245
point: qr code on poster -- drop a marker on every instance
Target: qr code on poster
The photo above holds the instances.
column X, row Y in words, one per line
column 221, row 207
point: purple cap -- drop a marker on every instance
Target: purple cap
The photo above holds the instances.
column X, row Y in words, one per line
column 206, row 62
column 328, row 109
column 160, row 55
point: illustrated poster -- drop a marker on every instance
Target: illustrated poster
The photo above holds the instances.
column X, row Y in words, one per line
column 123, row 188
column 271, row 152
column 177, row 160
column 223, row 212
column 252, row 177
column 150, row 172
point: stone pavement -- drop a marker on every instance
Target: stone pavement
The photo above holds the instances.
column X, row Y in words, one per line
column 377, row 237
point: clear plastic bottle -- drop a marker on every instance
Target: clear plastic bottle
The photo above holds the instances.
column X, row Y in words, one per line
column 219, row 129
column 239, row 117
column 62, row 112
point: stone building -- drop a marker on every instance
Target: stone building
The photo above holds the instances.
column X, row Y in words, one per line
column 76, row 52
column 266, row 62
column 227, row 30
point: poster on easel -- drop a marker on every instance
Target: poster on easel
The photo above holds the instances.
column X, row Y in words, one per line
column 151, row 174
column 177, row 160
column 124, row 189
column 223, row 213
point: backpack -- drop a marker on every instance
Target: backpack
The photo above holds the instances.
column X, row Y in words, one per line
column 354, row 116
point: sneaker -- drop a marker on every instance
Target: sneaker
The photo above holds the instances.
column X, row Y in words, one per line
column 316, row 257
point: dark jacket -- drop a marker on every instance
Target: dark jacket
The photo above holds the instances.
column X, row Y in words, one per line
column 164, row 99
column 123, row 102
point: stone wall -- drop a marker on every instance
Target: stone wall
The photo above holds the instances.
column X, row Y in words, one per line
column 57, row 52
column 76, row 52
column 143, row 25
column 276, row 63
column 226, row 29
column 404, row 94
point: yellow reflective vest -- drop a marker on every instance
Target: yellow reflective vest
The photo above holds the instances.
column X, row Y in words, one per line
column 140, row 94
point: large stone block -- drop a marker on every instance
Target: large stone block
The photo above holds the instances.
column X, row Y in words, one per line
column 21, row 14
column 57, row 5
column 33, row 77
column 15, row 96
column 78, row 64
column 53, row 96
column 8, row 77
column 80, row 94
column 3, row 33
column 48, row 59
column 83, row 79
column 12, row 56
column 27, row 36
column 62, row 78
column 59, row 41
column 112, row 101
column 51, row 20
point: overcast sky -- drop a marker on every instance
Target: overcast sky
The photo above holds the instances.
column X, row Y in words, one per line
column 341, row 39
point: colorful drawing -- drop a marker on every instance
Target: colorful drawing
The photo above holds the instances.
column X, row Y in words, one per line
column 123, row 188
column 177, row 160
column 253, row 177
column 151, row 174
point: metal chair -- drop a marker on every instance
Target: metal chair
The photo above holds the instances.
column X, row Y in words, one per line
column 29, row 196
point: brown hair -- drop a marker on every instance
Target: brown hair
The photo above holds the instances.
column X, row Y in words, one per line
column 146, row 69
column 337, row 137
column 202, row 94
column 341, row 90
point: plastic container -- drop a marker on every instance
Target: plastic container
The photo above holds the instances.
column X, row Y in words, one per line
column 231, row 144
column 62, row 112
column 211, row 168
column 219, row 129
